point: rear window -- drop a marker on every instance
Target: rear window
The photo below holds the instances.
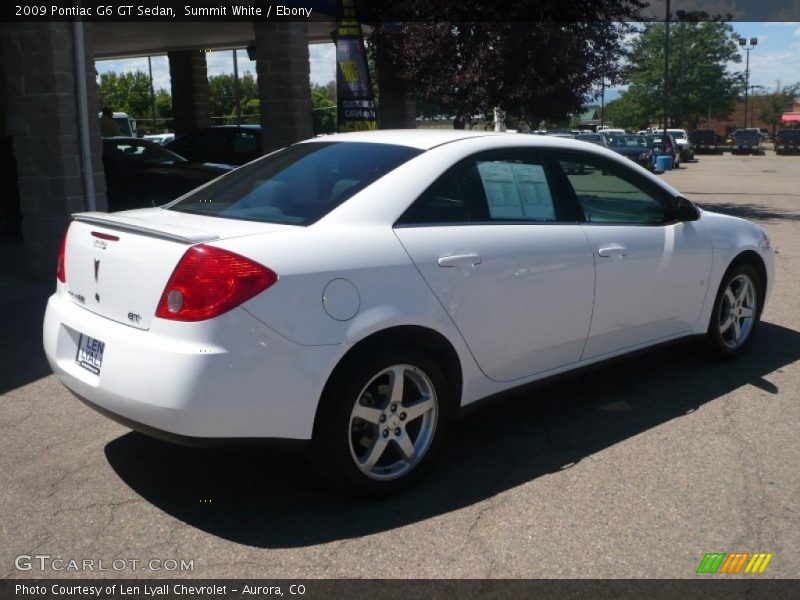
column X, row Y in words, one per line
column 297, row 185
column 789, row 134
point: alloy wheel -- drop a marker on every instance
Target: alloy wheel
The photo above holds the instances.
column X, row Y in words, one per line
column 393, row 422
column 737, row 311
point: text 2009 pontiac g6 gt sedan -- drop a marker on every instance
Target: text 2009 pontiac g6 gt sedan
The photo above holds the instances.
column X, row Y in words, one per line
column 355, row 290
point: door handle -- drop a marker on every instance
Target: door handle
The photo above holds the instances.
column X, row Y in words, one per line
column 612, row 250
column 469, row 259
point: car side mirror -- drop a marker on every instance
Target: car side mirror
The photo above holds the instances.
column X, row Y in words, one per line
column 685, row 210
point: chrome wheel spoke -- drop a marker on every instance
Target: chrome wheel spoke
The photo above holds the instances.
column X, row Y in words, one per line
column 737, row 329
column 420, row 408
column 397, row 383
column 730, row 297
column 407, row 447
column 744, row 290
column 726, row 324
column 367, row 413
column 375, row 453
column 746, row 312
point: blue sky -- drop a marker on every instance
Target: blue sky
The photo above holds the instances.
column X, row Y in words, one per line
column 776, row 57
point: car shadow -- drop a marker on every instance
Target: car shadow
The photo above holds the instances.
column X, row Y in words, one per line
column 269, row 498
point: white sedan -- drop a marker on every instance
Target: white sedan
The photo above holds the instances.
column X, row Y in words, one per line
column 355, row 291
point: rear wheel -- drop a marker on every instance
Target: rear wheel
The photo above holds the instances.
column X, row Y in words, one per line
column 381, row 422
column 737, row 311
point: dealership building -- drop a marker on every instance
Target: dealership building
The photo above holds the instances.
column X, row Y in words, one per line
column 50, row 145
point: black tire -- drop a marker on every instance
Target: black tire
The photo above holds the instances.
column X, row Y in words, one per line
column 337, row 439
column 722, row 343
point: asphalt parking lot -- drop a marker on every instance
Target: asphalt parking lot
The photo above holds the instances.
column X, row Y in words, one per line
column 634, row 470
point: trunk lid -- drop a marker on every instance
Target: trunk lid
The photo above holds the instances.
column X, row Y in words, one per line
column 118, row 264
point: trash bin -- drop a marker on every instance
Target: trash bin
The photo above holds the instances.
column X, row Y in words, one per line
column 663, row 163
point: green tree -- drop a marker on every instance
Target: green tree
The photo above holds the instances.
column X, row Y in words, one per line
column 772, row 106
column 222, row 93
column 126, row 92
column 624, row 112
column 534, row 69
column 699, row 82
column 163, row 104
column 323, row 108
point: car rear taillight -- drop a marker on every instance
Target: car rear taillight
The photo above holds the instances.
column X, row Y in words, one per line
column 209, row 281
column 61, row 269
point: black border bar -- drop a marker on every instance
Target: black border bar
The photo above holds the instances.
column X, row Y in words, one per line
column 702, row 587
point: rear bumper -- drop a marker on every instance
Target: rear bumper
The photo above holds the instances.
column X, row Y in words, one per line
column 228, row 378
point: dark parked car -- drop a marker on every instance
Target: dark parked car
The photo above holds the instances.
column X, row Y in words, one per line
column 595, row 138
column 787, row 141
column 634, row 147
column 226, row 144
column 746, row 141
column 664, row 144
column 705, row 141
column 141, row 174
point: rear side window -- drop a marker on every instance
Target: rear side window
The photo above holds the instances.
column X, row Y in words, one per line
column 492, row 187
column 297, row 185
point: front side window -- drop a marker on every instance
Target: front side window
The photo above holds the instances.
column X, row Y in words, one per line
column 500, row 188
column 297, row 185
column 609, row 195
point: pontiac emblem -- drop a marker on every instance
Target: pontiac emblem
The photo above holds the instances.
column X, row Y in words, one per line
column 96, row 269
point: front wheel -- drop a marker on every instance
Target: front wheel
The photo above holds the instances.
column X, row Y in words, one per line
column 737, row 311
column 381, row 421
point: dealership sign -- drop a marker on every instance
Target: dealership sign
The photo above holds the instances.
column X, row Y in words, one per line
column 354, row 98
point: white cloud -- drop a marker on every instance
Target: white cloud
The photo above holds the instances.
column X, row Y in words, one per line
column 767, row 68
column 322, row 58
column 797, row 32
column 160, row 66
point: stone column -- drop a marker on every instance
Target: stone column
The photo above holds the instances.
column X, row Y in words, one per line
column 284, row 87
column 190, row 104
column 397, row 106
column 41, row 116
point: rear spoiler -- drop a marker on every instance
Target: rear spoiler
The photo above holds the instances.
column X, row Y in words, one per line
column 184, row 235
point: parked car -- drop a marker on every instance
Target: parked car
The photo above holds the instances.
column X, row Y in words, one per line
column 562, row 134
column 159, row 138
column 127, row 125
column 685, row 146
column 746, row 141
column 354, row 292
column 595, row 138
column 665, row 144
column 226, row 144
column 609, row 131
column 143, row 174
column 764, row 133
column 704, row 141
column 787, row 141
column 634, row 147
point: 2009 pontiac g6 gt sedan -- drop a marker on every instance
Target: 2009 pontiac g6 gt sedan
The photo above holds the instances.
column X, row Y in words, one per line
column 356, row 290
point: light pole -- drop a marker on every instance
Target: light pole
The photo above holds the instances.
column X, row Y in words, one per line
column 681, row 16
column 743, row 43
column 666, row 72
